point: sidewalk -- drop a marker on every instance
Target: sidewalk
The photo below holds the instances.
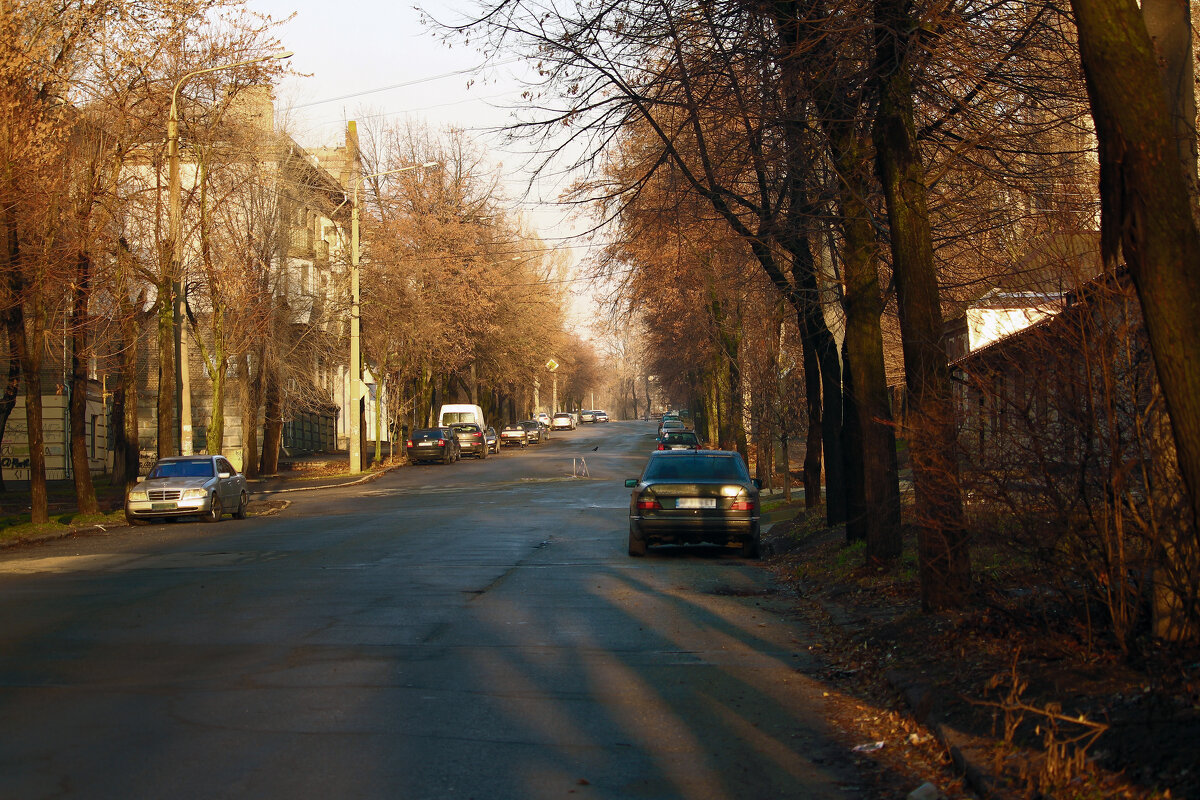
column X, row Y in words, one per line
column 268, row 495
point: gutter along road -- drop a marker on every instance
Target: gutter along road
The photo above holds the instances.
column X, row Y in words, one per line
column 465, row 631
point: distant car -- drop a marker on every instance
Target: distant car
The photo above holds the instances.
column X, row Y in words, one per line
column 188, row 486
column 433, row 444
column 601, row 416
column 514, row 435
column 534, row 430
column 563, row 421
column 678, row 440
column 471, row 439
column 671, row 425
column 543, row 418
column 493, row 439
column 694, row 496
column 587, row 416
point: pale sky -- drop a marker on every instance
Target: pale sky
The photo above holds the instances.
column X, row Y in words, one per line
column 369, row 57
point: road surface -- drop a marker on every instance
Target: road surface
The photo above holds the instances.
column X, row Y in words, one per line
column 466, row 631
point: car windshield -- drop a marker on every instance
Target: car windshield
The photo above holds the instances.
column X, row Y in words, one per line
column 199, row 468
column 696, row 467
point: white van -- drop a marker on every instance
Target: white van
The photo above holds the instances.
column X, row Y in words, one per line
column 457, row 412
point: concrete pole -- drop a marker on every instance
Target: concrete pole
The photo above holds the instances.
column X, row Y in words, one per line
column 355, row 359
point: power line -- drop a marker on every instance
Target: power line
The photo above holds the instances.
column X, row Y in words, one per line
column 414, row 82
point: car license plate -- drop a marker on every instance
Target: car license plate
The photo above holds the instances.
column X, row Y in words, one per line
column 695, row 502
column 162, row 506
column 424, row 444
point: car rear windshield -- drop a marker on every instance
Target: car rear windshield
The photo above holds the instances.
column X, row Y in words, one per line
column 464, row 428
column 457, row 416
column 562, row 415
column 681, row 438
column 696, row 467
column 200, row 468
column 426, row 435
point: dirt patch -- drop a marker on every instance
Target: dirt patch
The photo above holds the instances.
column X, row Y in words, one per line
column 1047, row 709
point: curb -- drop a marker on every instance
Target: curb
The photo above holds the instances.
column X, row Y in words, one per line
column 924, row 702
column 364, row 479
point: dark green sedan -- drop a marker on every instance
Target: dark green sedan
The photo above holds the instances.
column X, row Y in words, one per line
column 692, row 497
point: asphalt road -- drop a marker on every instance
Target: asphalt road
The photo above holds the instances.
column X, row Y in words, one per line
column 466, row 631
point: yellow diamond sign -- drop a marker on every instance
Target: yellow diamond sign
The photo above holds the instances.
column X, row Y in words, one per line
column 552, row 365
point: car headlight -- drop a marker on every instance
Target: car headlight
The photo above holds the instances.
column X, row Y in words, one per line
column 138, row 495
column 189, row 494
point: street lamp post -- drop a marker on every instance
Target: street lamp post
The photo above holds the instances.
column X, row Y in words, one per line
column 183, row 399
column 355, row 446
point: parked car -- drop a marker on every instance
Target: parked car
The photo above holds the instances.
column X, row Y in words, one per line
column 184, row 486
column 563, row 421
column 493, row 439
column 514, row 434
column 587, row 416
column 433, row 444
column 694, row 496
column 471, row 439
column 543, row 418
column 454, row 413
column 533, row 430
column 601, row 416
column 671, row 424
column 678, row 440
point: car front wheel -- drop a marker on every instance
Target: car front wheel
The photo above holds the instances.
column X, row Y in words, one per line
column 215, row 511
column 132, row 520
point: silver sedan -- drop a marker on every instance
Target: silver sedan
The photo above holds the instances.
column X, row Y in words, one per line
column 184, row 486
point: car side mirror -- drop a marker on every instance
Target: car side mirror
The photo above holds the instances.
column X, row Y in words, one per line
column 757, row 482
column 631, row 482
column 141, row 478
column 224, row 475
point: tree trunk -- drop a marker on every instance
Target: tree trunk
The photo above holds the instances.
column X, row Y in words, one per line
column 1169, row 23
column 252, row 391
column 1146, row 213
column 165, row 407
column 874, row 514
column 273, row 426
column 31, row 363
column 944, row 560
column 85, row 492
column 812, row 444
column 131, row 341
column 217, row 365
column 12, row 385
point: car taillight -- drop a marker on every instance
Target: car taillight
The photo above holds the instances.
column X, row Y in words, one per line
column 742, row 505
column 648, row 504
column 408, row 443
column 662, row 447
column 441, row 442
column 477, row 435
